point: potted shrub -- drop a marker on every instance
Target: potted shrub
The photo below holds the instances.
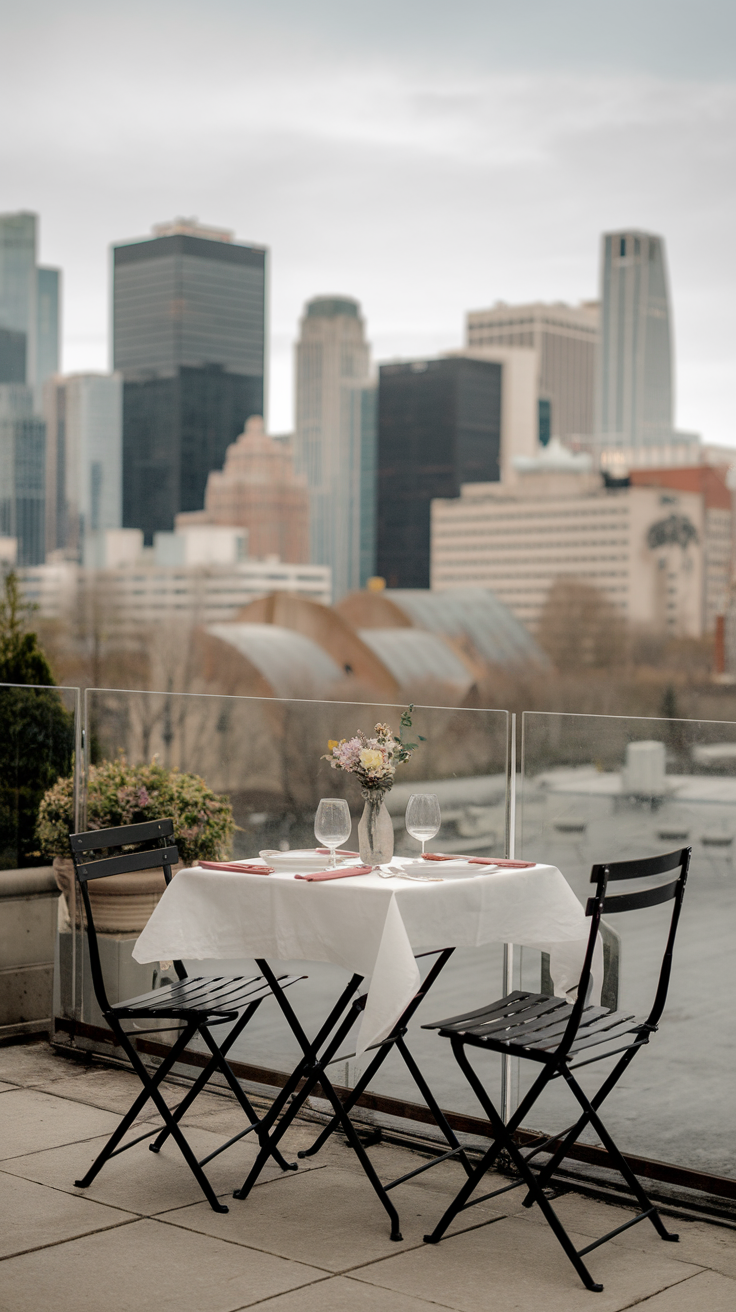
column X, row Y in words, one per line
column 123, row 794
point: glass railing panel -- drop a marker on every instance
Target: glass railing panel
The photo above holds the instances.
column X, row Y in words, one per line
column 39, row 737
column 596, row 788
column 265, row 756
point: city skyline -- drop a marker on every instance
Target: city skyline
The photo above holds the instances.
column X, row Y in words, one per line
column 498, row 172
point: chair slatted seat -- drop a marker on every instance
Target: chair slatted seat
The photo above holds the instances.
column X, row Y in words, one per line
column 192, row 1003
column 561, row 1036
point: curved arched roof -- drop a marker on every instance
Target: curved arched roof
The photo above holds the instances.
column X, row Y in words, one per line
column 293, row 665
column 414, row 654
column 473, row 613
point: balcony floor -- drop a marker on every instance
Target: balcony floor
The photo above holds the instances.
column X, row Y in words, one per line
column 314, row 1241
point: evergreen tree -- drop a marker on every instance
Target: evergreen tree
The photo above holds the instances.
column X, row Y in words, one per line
column 36, row 731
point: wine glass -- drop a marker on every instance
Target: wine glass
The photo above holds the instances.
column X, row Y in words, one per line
column 423, row 817
column 332, row 824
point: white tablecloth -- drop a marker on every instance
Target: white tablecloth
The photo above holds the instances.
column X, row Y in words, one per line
column 370, row 926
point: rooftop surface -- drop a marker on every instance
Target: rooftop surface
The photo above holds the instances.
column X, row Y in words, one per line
column 314, row 1241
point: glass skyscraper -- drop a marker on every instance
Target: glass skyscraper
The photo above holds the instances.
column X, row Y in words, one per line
column 22, row 473
column 29, row 306
column 189, row 340
column 635, row 368
column 29, row 354
column 83, row 415
column 439, row 426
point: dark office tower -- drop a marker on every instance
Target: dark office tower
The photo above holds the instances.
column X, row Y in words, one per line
column 439, row 426
column 189, row 329
column 634, row 383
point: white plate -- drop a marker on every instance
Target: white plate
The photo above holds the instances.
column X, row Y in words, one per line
column 302, row 861
column 448, row 869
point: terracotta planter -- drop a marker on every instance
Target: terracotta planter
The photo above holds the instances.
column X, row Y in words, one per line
column 121, row 904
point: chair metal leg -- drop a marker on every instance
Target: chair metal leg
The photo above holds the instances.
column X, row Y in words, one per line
column 310, row 1070
column 503, row 1139
column 434, row 1106
column 151, row 1085
column 559, row 1154
column 462, row 1199
column 144, row 1096
column 349, row 1102
column 648, row 1208
column 218, row 1055
column 218, row 1062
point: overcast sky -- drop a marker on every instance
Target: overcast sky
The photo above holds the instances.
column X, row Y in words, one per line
column 424, row 157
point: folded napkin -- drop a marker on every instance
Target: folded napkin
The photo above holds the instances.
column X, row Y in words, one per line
column 336, row 874
column 238, row 866
column 341, row 851
column 504, row 862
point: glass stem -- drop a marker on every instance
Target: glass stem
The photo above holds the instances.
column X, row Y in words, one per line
column 423, row 841
column 333, row 858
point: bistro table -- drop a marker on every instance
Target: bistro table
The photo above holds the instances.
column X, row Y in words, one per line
column 375, row 928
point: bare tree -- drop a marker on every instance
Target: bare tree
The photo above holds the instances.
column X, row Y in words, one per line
column 580, row 628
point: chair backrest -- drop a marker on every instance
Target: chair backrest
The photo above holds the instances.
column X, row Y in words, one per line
column 603, row 903
column 152, row 841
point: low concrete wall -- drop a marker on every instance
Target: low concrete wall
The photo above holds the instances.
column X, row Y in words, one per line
column 28, row 916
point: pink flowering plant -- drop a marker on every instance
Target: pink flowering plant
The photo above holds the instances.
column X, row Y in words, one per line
column 374, row 759
column 123, row 794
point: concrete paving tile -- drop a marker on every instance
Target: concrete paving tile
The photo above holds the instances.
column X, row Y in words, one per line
column 28, row 1063
column 709, row 1289
column 32, row 1121
column 140, row 1181
column 705, row 1245
column 331, row 1218
column 524, row 1268
column 4, row 1088
column 32, row 1215
column 115, row 1090
column 342, row 1294
column 147, row 1265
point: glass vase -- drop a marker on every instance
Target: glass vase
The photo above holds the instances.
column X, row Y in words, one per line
column 375, row 830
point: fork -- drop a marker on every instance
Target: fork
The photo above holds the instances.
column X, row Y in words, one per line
column 397, row 872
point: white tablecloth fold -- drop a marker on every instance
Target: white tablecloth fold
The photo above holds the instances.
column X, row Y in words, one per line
column 368, row 925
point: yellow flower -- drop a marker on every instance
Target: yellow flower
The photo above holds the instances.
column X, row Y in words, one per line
column 332, row 742
column 371, row 758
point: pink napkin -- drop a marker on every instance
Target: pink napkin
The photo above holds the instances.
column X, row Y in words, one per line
column 239, row 867
column 341, row 851
column 502, row 861
column 336, row 874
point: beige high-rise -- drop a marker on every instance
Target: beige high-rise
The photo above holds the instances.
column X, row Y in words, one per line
column 258, row 489
column 565, row 338
column 642, row 547
column 332, row 366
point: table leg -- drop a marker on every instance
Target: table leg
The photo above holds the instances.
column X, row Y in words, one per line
column 310, row 1069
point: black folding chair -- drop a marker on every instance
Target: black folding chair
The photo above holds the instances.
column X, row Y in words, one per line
column 563, row 1036
column 193, row 1004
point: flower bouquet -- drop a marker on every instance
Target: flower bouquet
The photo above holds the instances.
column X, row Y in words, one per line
column 374, row 760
